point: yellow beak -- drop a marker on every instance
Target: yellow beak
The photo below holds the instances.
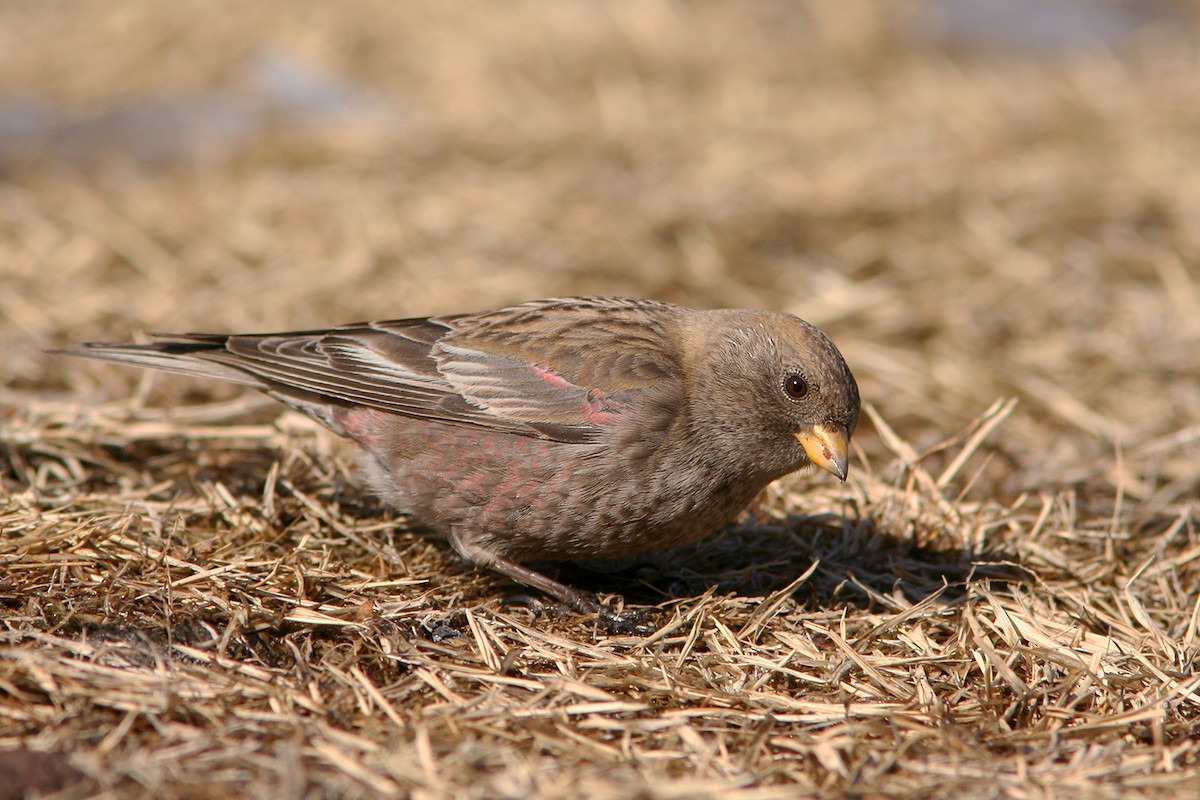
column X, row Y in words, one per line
column 827, row 448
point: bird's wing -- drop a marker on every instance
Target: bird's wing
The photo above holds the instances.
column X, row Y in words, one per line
column 582, row 363
column 562, row 370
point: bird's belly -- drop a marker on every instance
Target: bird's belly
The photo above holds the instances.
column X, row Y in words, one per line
column 526, row 498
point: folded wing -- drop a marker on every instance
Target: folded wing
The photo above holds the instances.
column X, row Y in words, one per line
column 563, row 370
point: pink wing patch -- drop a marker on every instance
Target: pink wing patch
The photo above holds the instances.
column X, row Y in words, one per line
column 595, row 410
column 552, row 378
column 513, row 389
column 599, row 410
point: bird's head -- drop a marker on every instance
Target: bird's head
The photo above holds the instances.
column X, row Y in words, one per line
column 776, row 389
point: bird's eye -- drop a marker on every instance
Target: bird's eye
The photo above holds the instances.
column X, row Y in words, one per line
column 794, row 386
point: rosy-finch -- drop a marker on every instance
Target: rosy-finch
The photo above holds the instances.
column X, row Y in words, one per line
column 570, row 428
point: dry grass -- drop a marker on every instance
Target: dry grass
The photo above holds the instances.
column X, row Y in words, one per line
column 1003, row 601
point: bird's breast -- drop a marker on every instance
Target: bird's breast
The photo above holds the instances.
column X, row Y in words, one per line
column 530, row 498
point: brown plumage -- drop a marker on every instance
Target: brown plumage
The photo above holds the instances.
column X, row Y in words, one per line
column 557, row 429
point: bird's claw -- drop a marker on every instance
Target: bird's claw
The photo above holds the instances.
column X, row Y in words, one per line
column 627, row 621
column 534, row 605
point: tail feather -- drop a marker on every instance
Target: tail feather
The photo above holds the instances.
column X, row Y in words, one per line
column 181, row 358
column 187, row 358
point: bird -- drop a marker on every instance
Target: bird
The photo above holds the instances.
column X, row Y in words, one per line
column 563, row 429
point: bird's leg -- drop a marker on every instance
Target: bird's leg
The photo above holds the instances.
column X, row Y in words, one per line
column 583, row 602
column 631, row 622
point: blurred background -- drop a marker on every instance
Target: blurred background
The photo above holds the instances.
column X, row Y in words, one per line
column 976, row 200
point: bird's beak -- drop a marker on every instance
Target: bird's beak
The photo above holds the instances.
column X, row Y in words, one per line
column 828, row 448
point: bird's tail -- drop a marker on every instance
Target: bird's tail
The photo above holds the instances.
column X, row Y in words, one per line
column 188, row 357
column 180, row 357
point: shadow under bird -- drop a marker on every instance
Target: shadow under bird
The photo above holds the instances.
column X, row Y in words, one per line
column 573, row 428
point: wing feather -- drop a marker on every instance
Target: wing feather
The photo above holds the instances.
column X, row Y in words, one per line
column 564, row 369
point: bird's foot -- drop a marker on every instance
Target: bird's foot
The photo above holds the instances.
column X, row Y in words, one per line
column 535, row 606
column 618, row 622
column 627, row 621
